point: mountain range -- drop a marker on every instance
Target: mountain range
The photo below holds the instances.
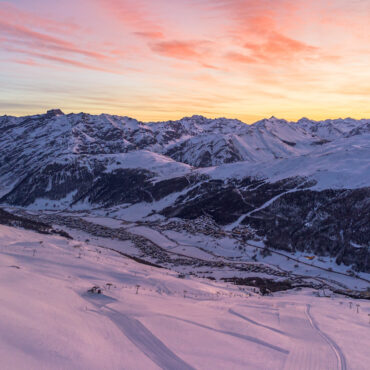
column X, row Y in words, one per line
column 298, row 186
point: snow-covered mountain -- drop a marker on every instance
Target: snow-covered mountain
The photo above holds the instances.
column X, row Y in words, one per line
column 301, row 185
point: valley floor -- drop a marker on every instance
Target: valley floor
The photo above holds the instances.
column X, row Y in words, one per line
column 149, row 318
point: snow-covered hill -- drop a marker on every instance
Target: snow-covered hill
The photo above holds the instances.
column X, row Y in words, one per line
column 274, row 172
column 149, row 318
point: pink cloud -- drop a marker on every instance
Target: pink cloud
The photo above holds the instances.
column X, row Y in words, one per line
column 178, row 49
column 154, row 35
column 13, row 14
column 58, row 59
column 28, row 62
column 240, row 58
column 22, row 32
column 40, row 40
column 135, row 16
column 279, row 46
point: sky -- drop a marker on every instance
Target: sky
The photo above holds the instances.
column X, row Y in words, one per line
column 165, row 59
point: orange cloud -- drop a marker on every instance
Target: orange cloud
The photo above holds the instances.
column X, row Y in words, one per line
column 240, row 58
column 258, row 26
column 278, row 45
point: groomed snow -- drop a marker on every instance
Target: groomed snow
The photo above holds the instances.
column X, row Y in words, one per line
column 48, row 320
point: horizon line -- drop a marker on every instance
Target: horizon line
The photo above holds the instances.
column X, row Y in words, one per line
column 51, row 110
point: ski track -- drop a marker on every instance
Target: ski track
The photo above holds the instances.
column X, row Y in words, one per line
column 255, row 322
column 147, row 342
column 320, row 354
column 341, row 360
column 139, row 335
column 270, row 201
column 236, row 335
column 263, row 206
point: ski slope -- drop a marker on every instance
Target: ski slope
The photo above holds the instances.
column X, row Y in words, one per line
column 148, row 318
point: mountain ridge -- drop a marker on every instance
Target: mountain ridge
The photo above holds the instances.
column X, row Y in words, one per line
column 58, row 111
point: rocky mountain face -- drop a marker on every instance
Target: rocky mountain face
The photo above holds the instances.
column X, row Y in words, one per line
column 302, row 186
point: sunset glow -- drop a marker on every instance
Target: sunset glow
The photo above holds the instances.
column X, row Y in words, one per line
column 164, row 59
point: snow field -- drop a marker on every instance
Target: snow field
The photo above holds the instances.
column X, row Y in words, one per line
column 149, row 319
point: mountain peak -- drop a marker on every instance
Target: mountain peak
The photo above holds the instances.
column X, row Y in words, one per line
column 54, row 112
